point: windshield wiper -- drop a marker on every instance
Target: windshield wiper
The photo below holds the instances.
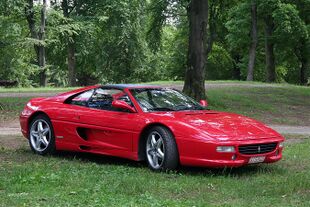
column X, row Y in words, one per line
column 161, row 109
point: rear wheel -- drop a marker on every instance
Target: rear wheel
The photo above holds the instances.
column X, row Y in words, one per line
column 41, row 135
column 161, row 149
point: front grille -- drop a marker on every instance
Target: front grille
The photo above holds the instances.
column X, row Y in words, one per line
column 257, row 148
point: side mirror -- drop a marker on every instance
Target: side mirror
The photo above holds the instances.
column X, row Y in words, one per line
column 122, row 105
column 203, row 103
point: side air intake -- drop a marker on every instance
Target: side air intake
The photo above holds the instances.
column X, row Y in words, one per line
column 82, row 133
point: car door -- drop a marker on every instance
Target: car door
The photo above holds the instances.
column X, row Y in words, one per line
column 103, row 126
column 69, row 111
column 66, row 119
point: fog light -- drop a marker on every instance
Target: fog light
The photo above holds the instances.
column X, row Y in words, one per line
column 281, row 144
column 225, row 149
column 277, row 152
column 234, row 157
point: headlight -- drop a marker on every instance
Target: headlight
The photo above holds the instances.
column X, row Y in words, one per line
column 225, row 149
column 281, row 144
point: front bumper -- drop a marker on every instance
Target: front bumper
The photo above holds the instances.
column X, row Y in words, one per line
column 204, row 154
column 24, row 125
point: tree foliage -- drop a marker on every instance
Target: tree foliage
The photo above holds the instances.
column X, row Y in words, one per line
column 134, row 40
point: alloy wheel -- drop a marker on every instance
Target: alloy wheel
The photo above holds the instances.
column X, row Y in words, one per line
column 40, row 135
column 155, row 150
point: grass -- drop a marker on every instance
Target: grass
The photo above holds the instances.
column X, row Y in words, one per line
column 273, row 105
column 10, row 107
column 68, row 179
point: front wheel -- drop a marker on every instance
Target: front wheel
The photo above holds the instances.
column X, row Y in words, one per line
column 161, row 149
column 41, row 135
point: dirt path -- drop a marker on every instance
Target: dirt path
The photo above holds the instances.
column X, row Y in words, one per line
column 285, row 129
column 28, row 94
column 10, row 131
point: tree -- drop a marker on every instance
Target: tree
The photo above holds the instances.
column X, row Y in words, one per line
column 252, row 53
column 133, row 41
column 39, row 36
column 197, row 13
column 291, row 38
column 267, row 9
column 302, row 47
column 269, row 50
column 218, row 16
column 194, row 84
column 302, row 53
column 70, row 46
column 238, row 25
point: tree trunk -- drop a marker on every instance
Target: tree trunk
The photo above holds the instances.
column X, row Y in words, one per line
column 43, row 79
column 252, row 53
column 194, row 84
column 71, row 62
column 303, row 55
column 304, row 67
column 39, row 49
column 71, row 49
column 29, row 12
column 269, row 46
column 236, row 70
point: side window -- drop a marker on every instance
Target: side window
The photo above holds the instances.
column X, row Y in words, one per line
column 82, row 99
column 103, row 98
column 145, row 100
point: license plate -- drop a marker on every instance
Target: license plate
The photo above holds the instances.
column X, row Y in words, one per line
column 256, row 159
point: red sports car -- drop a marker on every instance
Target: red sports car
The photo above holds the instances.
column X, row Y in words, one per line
column 139, row 122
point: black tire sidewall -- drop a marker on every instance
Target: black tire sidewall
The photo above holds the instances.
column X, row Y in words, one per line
column 51, row 148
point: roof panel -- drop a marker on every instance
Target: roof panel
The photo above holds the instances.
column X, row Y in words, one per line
column 123, row 86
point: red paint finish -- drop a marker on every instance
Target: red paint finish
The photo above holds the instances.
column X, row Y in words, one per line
column 117, row 133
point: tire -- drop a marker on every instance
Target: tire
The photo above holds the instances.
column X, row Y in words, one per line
column 41, row 135
column 161, row 149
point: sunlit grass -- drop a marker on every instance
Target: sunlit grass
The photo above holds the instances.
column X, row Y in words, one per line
column 281, row 105
column 70, row 179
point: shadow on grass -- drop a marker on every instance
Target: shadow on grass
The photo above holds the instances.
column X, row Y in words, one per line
column 182, row 170
column 98, row 159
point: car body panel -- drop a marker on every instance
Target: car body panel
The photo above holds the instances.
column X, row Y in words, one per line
column 118, row 133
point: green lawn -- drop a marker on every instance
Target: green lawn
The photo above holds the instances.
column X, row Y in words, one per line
column 69, row 179
column 273, row 105
column 10, row 108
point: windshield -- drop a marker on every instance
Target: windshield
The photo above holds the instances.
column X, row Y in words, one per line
column 160, row 99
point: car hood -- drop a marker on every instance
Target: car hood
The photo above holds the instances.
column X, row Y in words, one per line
column 224, row 126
